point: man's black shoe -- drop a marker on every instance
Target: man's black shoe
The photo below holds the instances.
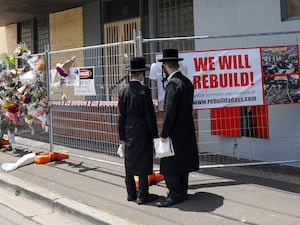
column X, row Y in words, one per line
column 169, row 202
column 131, row 198
column 149, row 198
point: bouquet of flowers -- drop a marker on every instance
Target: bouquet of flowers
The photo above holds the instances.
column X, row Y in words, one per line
column 22, row 91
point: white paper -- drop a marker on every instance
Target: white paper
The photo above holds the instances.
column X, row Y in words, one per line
column 121, row 150
column 163, row 149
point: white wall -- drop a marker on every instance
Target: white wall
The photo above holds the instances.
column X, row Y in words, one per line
column 240, row 17
column 283, row 143
column 225, row 17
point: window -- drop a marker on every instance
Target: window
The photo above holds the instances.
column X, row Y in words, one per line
column 290, row 9
column 176, row 18
column 25, row 34
column 35, row 34
column 41, row 34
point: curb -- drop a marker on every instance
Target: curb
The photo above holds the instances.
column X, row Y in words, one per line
column 81, row 212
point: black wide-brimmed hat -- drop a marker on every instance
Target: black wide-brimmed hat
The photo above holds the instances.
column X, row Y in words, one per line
column 170, row 55
column 138, row 64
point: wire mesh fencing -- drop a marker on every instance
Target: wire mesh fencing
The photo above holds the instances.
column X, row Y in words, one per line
column 84, row 116
column 250, row 133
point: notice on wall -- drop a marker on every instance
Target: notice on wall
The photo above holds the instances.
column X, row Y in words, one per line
column 223, row 78
column 73, row 78
column 281, row 74
column 86, row 82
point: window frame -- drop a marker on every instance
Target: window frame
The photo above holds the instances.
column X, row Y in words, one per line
column 33, row 33
column 284, row 12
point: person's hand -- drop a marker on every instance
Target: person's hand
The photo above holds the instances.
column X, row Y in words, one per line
column 163, row 139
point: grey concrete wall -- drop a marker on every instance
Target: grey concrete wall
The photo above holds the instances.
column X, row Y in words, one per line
column 239, row 17
column 225, row 17
column 92, row 24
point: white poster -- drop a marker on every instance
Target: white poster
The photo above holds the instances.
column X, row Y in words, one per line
column 222, row 78
column 86, row 82
column 73, row 78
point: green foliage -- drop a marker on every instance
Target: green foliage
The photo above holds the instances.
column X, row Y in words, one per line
column 18, row 190
column 10, row 61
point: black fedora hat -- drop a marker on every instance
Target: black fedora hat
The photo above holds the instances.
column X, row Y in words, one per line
column 170, row 55
column 138, row 64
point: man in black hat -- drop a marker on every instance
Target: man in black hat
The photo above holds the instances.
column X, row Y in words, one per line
column 137, row 129
column 178, row 124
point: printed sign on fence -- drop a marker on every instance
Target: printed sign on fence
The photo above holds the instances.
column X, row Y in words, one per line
column 86, row 82
column 223, row 78
column 73, row 78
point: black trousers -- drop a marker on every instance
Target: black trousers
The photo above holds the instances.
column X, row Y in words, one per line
column 177, row 185
column 143, row 186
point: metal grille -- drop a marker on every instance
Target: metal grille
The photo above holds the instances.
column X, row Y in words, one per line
column 86, row 125
column 116, row 55
column 247, row 135
column 92, row 129
column 42, row 34
column 35, row 34
column 176, row 20
column 26, row 34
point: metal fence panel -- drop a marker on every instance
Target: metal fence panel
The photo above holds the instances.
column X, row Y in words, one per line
column 86, row 124
column 84, row 121
column 217, row 148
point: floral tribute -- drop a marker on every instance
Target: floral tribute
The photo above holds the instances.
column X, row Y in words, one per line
column 23, row 94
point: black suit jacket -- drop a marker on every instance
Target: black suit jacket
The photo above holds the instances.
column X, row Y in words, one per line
column 179, row 126
column 137, row 126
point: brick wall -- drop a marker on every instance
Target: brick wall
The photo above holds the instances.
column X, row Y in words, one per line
column 8, row 38
column 66, row 32
column 66, row 29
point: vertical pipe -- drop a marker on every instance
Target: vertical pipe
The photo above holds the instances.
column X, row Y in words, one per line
column 153, row 24
column 134, row 43
column 140, row 45
column 48, row 76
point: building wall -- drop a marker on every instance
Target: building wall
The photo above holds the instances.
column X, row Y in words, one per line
column 92, row 24
column 3, row 46
column 8, row 39
column 238, row 17
column 226, row 17
column 66, row 29
column 66, row 32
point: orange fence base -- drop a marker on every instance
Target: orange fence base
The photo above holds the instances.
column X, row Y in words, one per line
column 4, row 142
column 154, row 178
column 46, row 157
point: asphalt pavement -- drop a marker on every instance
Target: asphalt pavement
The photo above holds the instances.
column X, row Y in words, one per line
column 94, row 193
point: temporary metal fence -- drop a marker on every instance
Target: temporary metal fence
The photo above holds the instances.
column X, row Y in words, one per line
column 252, row 135
column 84, row 115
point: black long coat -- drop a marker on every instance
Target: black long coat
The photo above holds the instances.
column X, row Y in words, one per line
column 179, row 125
column 137, row 126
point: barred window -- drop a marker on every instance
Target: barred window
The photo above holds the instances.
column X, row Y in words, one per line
column 26, row 34
column 176, row 19
column 35, row 34
column 42, row 34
